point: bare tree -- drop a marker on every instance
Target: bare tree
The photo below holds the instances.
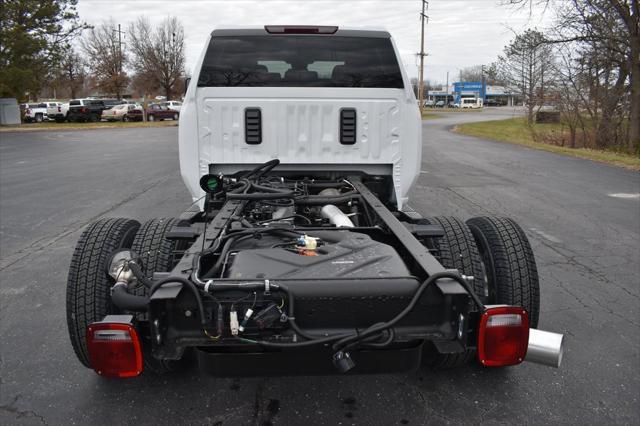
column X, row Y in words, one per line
column 71, row 73
column 605, row 32
column 527, row 67
column 159, row 54
column 473, row 73
column 609, row 33
column 107, row 58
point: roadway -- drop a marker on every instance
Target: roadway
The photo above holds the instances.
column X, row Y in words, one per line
column 584, row 230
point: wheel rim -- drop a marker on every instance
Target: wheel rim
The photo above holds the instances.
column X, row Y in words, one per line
column 151, row 118
column 175, row 116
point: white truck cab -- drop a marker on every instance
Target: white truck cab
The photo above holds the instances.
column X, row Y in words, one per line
column 321, row 99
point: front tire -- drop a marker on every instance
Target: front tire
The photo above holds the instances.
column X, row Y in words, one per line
column 88, row 285
column 175, row 117
column 151, row 118
column 512, row 274
column 455, row 250
column 39, row 118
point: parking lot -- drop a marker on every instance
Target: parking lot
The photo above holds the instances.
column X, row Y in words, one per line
column 583, row 219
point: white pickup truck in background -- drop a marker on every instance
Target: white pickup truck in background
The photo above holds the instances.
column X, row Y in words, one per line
column 35, row 112
column 57, row 111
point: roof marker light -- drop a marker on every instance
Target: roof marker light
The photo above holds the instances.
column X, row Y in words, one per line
column 300, row 29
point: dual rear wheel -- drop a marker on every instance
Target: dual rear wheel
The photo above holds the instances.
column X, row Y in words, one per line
column 497, row 253
column 89, row 286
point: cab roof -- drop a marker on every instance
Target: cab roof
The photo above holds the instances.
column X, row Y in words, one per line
column 279, row 30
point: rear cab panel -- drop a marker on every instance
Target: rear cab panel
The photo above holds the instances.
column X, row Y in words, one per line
column 301, row 84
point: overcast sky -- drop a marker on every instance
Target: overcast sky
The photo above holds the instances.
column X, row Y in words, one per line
column 460, row 33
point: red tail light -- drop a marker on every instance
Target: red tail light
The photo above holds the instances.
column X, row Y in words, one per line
column 114, row 349
column 503, row 336
column 59, row 109
column 299, row 29
column 83, row 110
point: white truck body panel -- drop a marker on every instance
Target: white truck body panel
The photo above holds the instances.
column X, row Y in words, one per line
column 301, row 128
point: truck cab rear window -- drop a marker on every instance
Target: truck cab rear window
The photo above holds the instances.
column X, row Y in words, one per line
column 300, row 61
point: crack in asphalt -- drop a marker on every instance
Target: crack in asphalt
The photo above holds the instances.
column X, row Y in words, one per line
column 11, row 409
column 573, row 260
column 39, row 245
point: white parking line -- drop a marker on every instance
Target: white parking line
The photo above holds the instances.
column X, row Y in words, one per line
column 626, row 195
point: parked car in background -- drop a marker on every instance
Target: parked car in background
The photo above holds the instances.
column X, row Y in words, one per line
column 57, row 111
column 134, row 114
column 85, row 110
column 35, row 112
column 439, row 104
column 429, row 103
column 172, row 105
column 161, row 112
column 492, row 102
column 120, row 112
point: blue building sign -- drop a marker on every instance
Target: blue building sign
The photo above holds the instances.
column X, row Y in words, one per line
column 468, row 89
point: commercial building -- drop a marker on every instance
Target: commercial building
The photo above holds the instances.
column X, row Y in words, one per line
column 490, row 95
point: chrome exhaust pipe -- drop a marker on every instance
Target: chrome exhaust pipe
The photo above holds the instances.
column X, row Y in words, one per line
column 336, row 216
column 545, row 348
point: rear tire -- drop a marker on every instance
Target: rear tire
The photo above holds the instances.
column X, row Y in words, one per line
column 456, row 250
column 88, row 285
column 155, row 253
column 512, row 275
column 39, row 118
column 151, row 118
column 175, row 117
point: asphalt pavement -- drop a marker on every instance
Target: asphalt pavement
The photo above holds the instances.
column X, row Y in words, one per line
column 583, row 220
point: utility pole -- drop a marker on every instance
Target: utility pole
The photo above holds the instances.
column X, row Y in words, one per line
column 120, row 32
column 423, row 18
column 447, row 91
column 484, row 87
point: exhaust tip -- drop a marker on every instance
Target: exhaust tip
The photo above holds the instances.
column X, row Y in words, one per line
column 545, row 348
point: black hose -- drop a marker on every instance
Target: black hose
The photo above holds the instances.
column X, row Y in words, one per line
column 265, row 168
column 225, row 249
column 128, row 302
column 324, row 185
column 262, row 188
column 137, row 272
column 261, row 196
column 376, row 328
column 318, row 200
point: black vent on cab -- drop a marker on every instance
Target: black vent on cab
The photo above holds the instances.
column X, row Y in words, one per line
column 348, row 126
column 253, row 126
